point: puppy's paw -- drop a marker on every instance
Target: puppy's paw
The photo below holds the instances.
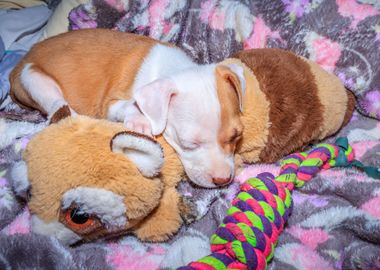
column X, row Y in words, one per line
column 188, row 210
column 138, row 123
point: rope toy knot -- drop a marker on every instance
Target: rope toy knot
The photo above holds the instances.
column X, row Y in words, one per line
column 254, row 222
column 301, row 167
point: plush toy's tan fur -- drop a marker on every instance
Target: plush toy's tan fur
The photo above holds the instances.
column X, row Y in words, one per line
column 166, row 218
column 289, row 103
column 77, row 152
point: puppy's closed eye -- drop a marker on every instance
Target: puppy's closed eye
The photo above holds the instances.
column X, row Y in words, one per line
column 190, row 145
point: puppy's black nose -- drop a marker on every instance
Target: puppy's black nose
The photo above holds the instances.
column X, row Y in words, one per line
column 221, row 181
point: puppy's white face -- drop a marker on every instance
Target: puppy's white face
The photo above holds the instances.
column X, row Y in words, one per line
column 197, row 125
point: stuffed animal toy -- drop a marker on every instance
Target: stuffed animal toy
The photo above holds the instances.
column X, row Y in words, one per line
column 287, row 102
column 91, row 178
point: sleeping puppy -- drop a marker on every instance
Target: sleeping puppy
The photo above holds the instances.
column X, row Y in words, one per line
column 152, row 87
column 281, row 101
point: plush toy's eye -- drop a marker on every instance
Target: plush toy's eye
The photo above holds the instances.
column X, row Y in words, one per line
column 77, row 219
column 84, row 224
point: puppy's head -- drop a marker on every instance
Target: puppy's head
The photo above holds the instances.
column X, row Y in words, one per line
column 198, row 111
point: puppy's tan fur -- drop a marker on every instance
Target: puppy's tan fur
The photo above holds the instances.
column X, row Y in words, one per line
column 104, row 80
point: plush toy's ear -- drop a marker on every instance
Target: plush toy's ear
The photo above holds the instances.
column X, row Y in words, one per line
column 234, row 75
column 153, row 100
column 146, row 153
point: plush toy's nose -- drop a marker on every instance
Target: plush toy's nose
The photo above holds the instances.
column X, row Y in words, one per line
column 221, row 181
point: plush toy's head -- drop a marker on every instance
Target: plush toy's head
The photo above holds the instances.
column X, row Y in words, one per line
column 90, row 178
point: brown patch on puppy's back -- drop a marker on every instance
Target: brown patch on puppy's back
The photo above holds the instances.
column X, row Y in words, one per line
column 289, row 86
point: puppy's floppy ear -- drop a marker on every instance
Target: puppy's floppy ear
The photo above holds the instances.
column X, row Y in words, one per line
column 144, row 152
column 153, row 100
column 234, row 75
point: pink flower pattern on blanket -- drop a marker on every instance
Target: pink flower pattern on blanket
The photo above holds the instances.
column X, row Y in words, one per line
column 261, row 32
column 156, row 17
column 372, row 207
column 355, row 11
column 323, row 51
column 305, row 258
column 309, row 237
column 130, row 257
column 252, row 171
column 211, row 15
column 21, row 224
column 361, row 148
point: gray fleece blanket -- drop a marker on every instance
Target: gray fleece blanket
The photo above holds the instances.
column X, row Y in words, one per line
column 336, row 217
column 335, row 222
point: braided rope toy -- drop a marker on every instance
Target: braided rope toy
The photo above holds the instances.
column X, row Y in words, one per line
column 249, row 233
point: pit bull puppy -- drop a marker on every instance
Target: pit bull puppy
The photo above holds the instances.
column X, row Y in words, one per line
column 261, row 104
